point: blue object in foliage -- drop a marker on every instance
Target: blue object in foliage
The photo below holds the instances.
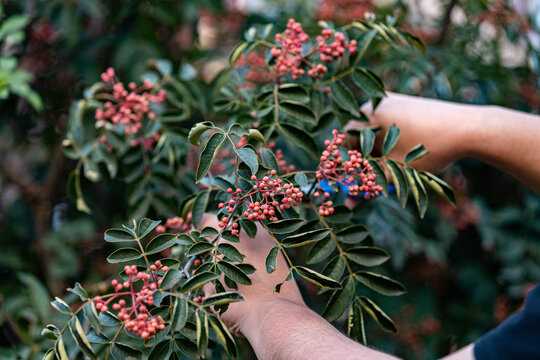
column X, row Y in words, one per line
column 326, row 186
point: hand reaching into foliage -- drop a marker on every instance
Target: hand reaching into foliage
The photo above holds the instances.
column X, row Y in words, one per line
column 503, row 138
column 280, row 325
column 255, row 249
column 429, row 122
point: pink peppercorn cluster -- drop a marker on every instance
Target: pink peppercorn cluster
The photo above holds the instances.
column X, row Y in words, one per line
column 175, row 223
column 136, row 317
column 131, row 105
column 354, row 173
column 289, row 58
column 270, row 189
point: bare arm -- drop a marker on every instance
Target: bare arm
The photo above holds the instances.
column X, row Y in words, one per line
column 279, row 326
column 505, row 139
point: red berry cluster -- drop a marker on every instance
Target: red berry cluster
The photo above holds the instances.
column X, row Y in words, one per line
column 335, row 49
column 355, row 173
column 270, row 190
column 136, row 317
column 175, row 223
column 131, row 106
column 289, row 58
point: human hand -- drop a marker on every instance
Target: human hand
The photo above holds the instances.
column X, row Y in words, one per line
column 260, row 295
column 439, row 125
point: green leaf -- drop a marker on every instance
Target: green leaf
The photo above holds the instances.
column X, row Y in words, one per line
column 339, row 301
column 237, row 51
column 161, row 351
column 146, row 226
column 380, row 175
column 222, row 298
column 356, row 327
column 367, row 140
column 108, row 319
column 223, row 335
column 271, row 258
column 60, row 349
column 380, row 283
column 300, row 137
column 80, row 338
column 95, row 338
column 256, row 135
column 418, row 190
column 230, row 252
column 317, row 278
column 61, row 305
column 170, row 278
column 198, row 280
column 335, row 268
column 285, row 226
column 50, row 354
column 79, row 291
column 124, row 352
column 367, row 255
column 377, row 314
column 197, row 130
column 238, row 130
column 199, row 248
column 179, row 314
column 298, row 111
column 249, row 227
column 208, row 154
column 320, row 250
column 160, row 243
column 353, row 234
column 268, row 159
column 199, row 207
column 186, row 348
column 234, row 273
column 209, row 231
column 201, row 321
column 344, row 98
column 124, row 255
column 92, row 315
column 91, row 170
column 50, row 332
column 184, row 239
column 390, row 139
column 249, row 157
column 37, row 295
column 398, row 178
column 364, row 40
column 294, row 92
column 368, row 81
column 416, row 153
column 301, row 179
column 439, row 186
column 118, row 235
column 341, row 214
column 305, row 238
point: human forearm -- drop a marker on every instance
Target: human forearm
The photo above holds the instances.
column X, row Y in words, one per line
column 281, row 329
column 508, row 140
